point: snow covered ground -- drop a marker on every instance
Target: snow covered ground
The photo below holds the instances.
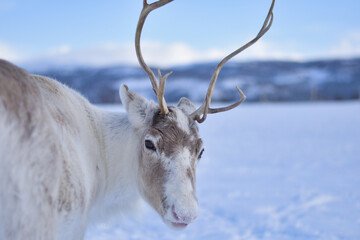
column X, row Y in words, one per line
column 269, row 171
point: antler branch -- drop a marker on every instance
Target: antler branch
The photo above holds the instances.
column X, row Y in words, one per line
column 204, row 109
column 159, row 90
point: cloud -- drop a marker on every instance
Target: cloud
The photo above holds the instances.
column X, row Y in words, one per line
column 159, row 54
column 154, row 53
column 8, row 52
column 348, row 46
column 164, row 55
column 61, row 50
column 264, row 50
column 178, row 53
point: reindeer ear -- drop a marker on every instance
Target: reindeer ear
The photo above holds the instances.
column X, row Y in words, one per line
column 140, row 110
column 186, row 105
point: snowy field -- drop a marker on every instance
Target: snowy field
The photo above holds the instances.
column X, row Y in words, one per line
column 269, row 171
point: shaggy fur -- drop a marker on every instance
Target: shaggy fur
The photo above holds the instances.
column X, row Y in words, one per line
column 65, row 163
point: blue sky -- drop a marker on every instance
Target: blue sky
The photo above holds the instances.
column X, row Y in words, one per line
column 102, row 32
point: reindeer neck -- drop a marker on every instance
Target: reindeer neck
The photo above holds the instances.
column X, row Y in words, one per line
column 122, row 153
column 120, row 161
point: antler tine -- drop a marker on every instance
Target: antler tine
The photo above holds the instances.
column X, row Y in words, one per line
column 147, row 8
column 204, row 109
column 161, row 89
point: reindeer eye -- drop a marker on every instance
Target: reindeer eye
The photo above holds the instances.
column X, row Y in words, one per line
column 201, row 153
column 150, row 145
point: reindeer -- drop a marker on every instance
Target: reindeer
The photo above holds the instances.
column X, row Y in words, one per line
column 65, row 163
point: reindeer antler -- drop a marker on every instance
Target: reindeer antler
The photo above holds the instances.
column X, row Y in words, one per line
column 158, row 88
column 204, row 109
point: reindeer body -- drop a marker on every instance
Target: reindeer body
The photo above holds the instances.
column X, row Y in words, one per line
column 65, row 163
column 57, row 158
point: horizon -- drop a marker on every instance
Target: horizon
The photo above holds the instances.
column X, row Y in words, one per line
column 42, row 66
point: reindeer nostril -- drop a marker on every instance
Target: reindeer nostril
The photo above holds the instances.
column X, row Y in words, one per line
column 174, row 213
column 182, row 218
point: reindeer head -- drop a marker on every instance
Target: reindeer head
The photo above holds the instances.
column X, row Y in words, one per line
column 170, row 149
column 170, row 146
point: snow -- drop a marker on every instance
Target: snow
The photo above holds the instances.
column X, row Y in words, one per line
column 270, row 171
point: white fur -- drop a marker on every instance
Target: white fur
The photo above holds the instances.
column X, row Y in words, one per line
column 179, row 188
column 82, row 170
column 182, row 121
column 98, row 153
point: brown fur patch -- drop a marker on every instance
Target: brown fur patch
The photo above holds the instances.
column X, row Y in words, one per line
column 56, row 102
column 20, row 96
column 69, row 197
column 172, row 137
column 153, row 175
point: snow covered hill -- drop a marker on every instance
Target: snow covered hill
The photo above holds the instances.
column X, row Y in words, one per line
column 270, row 171
column 260, row 81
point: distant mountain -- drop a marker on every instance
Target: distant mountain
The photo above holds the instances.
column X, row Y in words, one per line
column 260, row 81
